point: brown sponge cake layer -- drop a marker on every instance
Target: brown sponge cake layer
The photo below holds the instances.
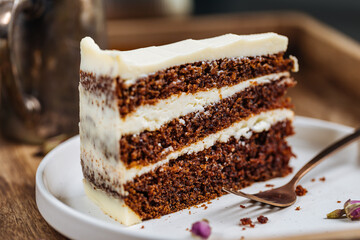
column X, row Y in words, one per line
column 187, row 78
column 198, row 177
column 152, row 146
column 194, row 77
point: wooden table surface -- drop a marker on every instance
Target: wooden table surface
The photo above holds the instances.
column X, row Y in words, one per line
column 19, row 216
column 20, row 219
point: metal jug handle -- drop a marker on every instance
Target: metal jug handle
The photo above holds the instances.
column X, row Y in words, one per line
column 24, row 105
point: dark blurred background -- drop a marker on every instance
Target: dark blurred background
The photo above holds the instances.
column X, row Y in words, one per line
column 323, row 34
column 343, row 15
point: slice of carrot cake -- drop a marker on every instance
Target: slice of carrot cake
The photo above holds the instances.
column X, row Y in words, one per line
column 165, row 128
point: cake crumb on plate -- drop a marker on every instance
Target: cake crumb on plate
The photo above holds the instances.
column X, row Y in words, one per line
column 262, row 219
column 300, row 191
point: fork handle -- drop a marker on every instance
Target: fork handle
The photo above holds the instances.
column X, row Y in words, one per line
column 325, row 153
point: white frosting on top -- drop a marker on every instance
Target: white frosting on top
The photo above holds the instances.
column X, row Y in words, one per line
column 130, row 65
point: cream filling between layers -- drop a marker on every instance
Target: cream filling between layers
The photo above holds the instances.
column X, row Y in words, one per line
column 130, row 65
column 114, row 207
column 257, row 123
column 120, row 175
column 152, row 117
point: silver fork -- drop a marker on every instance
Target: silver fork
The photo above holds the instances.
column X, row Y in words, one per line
column 285, row 196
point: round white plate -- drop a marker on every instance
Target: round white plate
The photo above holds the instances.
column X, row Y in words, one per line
column 61, row 200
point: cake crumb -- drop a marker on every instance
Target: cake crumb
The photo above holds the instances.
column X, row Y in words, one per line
column 338, row 201
column 269, row 185
column 243, row 229
column 142, row 227
column 300, row 191
column 313, row 179
column 322, row 179
column 187, row 229
column 242, row 238
column 297, row 208
column 262, row 219
column 209, row 202
column 242, row 206
column 247, row 221
column 189, row 212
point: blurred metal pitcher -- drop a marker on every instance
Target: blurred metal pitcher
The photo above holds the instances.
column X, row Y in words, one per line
column 39, row 64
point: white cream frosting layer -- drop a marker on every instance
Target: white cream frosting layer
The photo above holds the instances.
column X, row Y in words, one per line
column 152, row 117
column 114, row 207
column 130, row 65
column 99, row 124
column 117, row 173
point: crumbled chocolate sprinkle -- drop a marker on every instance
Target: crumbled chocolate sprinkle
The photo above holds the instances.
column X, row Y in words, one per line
column 300, row 191
column 269, row 185
column 246, row 221
column 242, row 206
column 204, row 206
column 262, row 219
column 297, row 208
column 322, row 179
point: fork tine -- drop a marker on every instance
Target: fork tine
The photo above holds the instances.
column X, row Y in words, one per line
column 249, row 196
column 239, row 193
column 263, row 199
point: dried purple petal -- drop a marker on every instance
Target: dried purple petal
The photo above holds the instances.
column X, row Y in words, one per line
column 352, row 209
column 350, row 202
column 201, row 229
column 338, row 213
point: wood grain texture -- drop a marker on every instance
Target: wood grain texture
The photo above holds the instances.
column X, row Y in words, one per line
column 19, row 216
column 328, row 88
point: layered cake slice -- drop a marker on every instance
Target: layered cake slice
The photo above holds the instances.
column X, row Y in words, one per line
column 165, row 128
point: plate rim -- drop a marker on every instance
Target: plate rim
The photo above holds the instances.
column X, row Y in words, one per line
column 42, row 193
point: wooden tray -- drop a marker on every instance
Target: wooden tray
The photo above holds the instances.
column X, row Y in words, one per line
column 329, row 77
column 328, row 88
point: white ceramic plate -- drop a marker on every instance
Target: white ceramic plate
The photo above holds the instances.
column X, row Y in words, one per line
column 63, row 204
